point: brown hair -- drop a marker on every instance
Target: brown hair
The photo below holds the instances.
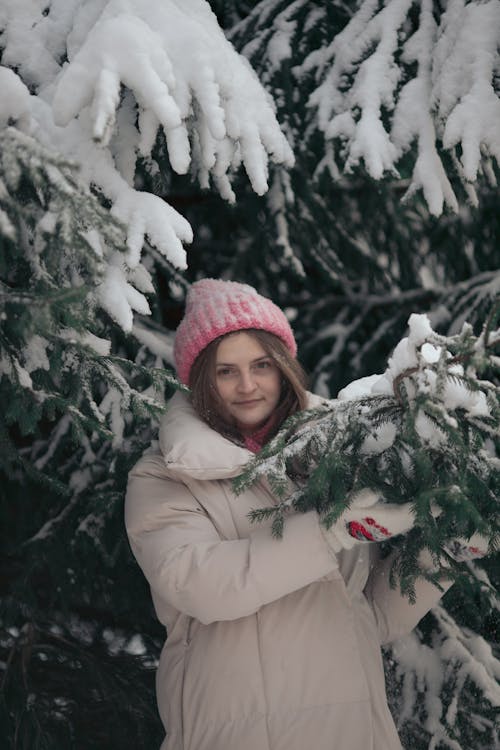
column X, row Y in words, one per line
column 205, row 398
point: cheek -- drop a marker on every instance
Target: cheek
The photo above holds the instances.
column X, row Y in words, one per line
column 223, row 388
column 275, row 385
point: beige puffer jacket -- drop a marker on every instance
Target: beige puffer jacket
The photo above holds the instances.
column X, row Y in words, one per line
column 272, row 644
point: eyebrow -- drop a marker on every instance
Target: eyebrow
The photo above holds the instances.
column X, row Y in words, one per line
column 233, row 364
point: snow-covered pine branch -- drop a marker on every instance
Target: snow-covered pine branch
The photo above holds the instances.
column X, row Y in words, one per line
column 15, row 107
column 402, row 88
column 387, row 85
column 433, row 678
column 58, row 247
column 106, row 172
column 104, row 82
column 423, row 432
column 185, row 77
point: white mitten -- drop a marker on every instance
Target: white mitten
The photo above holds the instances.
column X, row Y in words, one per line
column 462, row 550
column 368, row 520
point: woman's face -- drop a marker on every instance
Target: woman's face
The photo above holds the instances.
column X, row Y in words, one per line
column 247, row 381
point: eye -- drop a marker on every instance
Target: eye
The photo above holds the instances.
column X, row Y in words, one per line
column 264, row 364
column 225, row 372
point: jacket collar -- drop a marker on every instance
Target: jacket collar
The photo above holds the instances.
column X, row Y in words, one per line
column 192, row 449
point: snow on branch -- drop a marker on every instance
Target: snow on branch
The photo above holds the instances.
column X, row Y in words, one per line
column 474, row 116
column 185, row 77
column 387, row 86
column 103, row 82
column 419, row 433
column 15, row 106
column 53, row 31
column 463, row 661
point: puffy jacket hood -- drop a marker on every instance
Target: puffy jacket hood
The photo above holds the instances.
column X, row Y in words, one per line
column 193, row 449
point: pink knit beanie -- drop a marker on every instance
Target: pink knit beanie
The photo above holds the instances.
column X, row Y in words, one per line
column 215, row 307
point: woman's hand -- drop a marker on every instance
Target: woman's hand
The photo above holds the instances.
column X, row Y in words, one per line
column 463, row 550
column 369, row 520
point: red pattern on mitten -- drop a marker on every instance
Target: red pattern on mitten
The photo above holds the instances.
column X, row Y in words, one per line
column 368, row 520
column 367, row 529
column 463, row 550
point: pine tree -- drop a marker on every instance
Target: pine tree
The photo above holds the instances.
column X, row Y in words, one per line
column 330, row 241
column 75, row 418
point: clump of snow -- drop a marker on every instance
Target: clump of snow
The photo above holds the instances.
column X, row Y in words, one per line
column 381, row 439
column 410, row 358
column 136, row 645
column 35, row 40
column 6, row 227
column 35, row 354
column 112, row 405
column 427, row 430
column 358, row 388
column 119, row 298
column 157, row 343
column 22, row 375
column 430, row 352
column 120, row 48
column 280, row 44
column 15, row 105
column 114, row 640
column 94, row 240
column 420, row 329
column 147, row 215
column 100, row 346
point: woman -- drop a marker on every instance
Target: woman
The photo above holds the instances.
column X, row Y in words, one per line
column 272, row 644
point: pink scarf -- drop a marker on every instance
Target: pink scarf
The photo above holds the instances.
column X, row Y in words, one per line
column 256, row 440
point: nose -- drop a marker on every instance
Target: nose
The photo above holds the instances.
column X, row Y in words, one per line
column 246, row 383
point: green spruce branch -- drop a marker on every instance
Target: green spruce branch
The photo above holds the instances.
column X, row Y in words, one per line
column 427, row 437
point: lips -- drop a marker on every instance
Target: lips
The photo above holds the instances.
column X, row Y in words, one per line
column 252, row 402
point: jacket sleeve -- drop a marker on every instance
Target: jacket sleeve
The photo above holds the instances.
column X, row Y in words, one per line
column 394, row 614
column 188, row 565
